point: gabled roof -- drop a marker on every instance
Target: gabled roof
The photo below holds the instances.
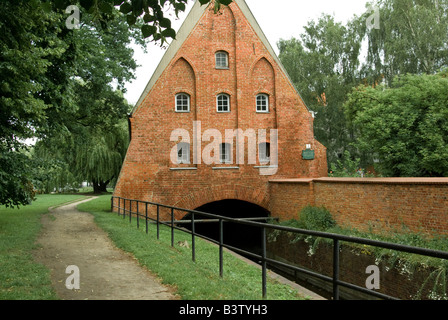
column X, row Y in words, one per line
column 187, row 27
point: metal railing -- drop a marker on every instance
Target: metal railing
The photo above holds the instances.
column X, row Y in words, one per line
column 125, row 206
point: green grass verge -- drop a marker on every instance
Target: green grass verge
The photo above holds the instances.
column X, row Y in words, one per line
column 20, row 277
column 198, row 280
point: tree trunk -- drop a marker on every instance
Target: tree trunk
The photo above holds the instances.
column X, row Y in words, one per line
column 99, row 186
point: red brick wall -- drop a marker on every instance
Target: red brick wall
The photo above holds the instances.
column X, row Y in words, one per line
column 147, row 172
column 419, row 205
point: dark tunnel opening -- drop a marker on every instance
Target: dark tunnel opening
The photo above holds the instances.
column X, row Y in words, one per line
column 237, row 235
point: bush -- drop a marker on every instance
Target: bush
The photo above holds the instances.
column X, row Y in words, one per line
column 318, row 219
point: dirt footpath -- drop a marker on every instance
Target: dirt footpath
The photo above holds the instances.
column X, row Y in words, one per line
column 71, row 238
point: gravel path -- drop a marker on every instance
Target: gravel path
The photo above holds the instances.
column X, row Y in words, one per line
column 71, row 238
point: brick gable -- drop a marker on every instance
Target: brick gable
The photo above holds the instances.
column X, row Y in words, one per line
column 148, row 172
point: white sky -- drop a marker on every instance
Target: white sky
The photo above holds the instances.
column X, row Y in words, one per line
column 281, row 19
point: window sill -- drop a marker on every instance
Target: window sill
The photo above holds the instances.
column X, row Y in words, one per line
column 222, row 68
column 226, row 168
column 184, row 169
column 266, row 167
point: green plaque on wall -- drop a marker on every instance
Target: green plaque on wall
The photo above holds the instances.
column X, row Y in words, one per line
column 308, row 154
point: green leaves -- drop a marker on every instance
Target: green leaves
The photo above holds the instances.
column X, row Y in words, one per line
column 148, row 15
column 411, row 39
column 323, row 64
column 406, row 124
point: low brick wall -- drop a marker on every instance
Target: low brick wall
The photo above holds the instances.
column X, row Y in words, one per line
column 378, row 204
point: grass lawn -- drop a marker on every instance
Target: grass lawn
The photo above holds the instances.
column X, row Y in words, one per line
column 20, row 277
column 194, row 281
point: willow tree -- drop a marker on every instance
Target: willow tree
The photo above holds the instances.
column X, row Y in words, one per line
column 98, row 157
column 42, row 60
column 93, row 155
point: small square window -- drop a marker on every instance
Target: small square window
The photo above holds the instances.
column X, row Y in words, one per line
column 264, row 153
column 182, row 102
column 183, row 153
column 225, row 153
column 222, row 60
column 223, row 103
column 262, row 103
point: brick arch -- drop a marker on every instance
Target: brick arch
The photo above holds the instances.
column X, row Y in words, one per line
column 183, row 70
column 262, row 75
column 211, row 194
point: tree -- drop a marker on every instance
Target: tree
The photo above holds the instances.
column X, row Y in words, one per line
column 147, row 15
column 26, row 44
column 93, row 154
column 405, row 124
column 411, row 39
column 324, row 66
column 45, row 68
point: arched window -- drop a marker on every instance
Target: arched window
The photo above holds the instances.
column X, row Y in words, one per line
column 225, row 153
column 223, row 103
column 222, row 60
column 183, row 153
column 262, row 103
column 264, row 152
column 182, row 102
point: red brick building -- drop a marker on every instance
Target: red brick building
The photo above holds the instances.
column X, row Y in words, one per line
column 221, row 75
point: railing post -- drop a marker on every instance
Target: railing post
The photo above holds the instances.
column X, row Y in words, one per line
column 193, row 244
column 138, row 215
column 124, row 209
column 172, row 227
column 221, row 243
column 146, row 216
column 119, row 206
column 130, row 212
column 336, row 247
column 263, row 262
column 158, row 222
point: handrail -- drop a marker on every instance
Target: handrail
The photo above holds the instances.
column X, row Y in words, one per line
column 337, row 238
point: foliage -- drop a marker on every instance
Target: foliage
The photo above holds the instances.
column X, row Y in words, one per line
column 319, row 219
column 327, row 62
column 405, row 124
column 323, row 64
column 349, row 167
column 411, row 39
column 15, row 179
column 309, row 218
column 93, row 155
column 26, row 44
column 146, row 15
column 55, row 81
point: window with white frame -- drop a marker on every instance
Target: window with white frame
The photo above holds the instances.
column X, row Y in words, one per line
column 262, row 103
column 182, row 102
column 225, row 153
column 222, row 60
column 223, row 103
column 183, row 153
column 264, row 152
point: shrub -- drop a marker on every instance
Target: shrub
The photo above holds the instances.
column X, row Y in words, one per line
column 318, row 219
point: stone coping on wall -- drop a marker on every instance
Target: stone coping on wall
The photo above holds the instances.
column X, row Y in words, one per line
column 410, row 181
